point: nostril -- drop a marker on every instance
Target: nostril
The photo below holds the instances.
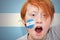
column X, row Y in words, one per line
column 39, row 22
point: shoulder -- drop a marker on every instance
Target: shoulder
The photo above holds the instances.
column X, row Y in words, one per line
column 23, row 37
column 55, row 32
column 56, row 29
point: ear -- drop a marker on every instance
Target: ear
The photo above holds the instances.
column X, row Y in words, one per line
column 53, row 17
column 23, row 21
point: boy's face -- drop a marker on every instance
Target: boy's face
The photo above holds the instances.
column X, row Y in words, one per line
column 41, row 23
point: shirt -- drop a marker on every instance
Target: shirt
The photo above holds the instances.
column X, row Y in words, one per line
column 54, row 34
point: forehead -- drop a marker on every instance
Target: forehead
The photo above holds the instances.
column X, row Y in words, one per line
column 32, row 8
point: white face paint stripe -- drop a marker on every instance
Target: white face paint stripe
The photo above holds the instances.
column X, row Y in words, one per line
column 30, row 23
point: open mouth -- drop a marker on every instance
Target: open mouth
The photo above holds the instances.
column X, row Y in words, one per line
column 38, row 29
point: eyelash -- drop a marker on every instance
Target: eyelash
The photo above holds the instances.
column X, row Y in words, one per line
column 33, row 14
column 44, row 15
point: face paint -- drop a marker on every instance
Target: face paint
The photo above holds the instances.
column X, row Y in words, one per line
column 30, row 23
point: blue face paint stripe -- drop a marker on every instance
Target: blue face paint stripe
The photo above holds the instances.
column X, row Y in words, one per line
column 31, row 26
column 30, row 23
column 29, row 20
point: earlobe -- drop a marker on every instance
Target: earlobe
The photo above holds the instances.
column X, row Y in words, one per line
column 23, row 21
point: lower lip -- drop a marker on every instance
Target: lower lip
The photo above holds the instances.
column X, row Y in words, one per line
column 38, row 33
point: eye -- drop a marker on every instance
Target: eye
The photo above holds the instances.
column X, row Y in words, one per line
column 33, row 14
column 44, row 15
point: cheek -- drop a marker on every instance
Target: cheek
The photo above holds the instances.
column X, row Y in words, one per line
column 30, row 31
column 46, row 28
column 46, row 25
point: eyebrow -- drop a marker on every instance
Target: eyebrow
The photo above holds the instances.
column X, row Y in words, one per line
column 35, row 11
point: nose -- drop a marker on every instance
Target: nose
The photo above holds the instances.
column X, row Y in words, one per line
column 39, row 20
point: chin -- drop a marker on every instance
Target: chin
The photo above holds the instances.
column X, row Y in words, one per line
column 38, row 38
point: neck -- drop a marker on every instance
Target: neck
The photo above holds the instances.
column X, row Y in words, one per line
column 30, row 38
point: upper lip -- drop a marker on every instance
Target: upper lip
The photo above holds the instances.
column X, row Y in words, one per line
column 39, row 27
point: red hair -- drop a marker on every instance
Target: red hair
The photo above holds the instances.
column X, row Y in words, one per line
column 46, row 5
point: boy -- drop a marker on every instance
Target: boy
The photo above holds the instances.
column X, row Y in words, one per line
column 37, row 15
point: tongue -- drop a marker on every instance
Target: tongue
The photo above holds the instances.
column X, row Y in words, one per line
column 38, row 30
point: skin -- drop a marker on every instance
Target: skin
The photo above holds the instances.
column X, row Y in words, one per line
column 39, row 17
